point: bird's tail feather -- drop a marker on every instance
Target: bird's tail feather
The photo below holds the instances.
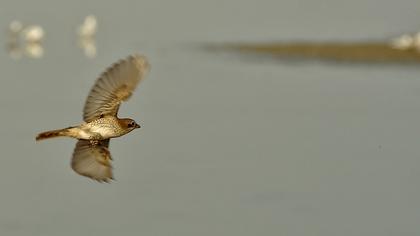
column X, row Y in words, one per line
column 53, row 134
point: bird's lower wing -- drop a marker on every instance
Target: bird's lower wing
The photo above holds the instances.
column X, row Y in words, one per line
column 93, row 161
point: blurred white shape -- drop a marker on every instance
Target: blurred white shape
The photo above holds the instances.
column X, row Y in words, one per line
column 34, row 50
column 407, row 42
column 33, row 34
column 403, row 42
column 86, row 32
column 15, row 27
column 88, row 27
column 13, row 43
column 89, row 46
column 25, row 40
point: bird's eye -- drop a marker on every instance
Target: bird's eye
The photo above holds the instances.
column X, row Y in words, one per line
column 131, row 124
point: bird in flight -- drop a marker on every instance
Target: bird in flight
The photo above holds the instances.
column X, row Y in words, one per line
column 91, row 156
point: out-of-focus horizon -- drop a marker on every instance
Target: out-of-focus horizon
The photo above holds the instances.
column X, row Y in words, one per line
column 404, row 49
column 228, row 146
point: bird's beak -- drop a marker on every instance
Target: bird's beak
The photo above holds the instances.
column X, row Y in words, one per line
column 137, row 126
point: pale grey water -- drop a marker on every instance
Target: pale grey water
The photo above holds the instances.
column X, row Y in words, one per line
column 228, row 146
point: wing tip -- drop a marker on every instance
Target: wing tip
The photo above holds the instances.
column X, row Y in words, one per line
column 106, row 180
column 140, row 61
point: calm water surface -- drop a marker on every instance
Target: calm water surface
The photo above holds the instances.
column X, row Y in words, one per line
column 228, row 146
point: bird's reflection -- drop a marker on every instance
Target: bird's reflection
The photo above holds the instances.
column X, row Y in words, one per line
column 86, row 36
column 13, row 42
column 34, row 50
column 25, row 40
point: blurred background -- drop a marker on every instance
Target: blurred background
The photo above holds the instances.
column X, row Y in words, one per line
column 230, row 144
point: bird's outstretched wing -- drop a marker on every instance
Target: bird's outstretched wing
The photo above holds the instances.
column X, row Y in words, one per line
column 115, row 85
column 93, row 161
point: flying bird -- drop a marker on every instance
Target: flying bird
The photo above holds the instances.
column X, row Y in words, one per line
column 91, row 156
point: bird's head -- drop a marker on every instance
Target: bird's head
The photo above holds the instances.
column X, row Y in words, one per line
column 128, row 124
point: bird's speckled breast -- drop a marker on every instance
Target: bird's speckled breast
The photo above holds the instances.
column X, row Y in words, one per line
column 103, row 128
